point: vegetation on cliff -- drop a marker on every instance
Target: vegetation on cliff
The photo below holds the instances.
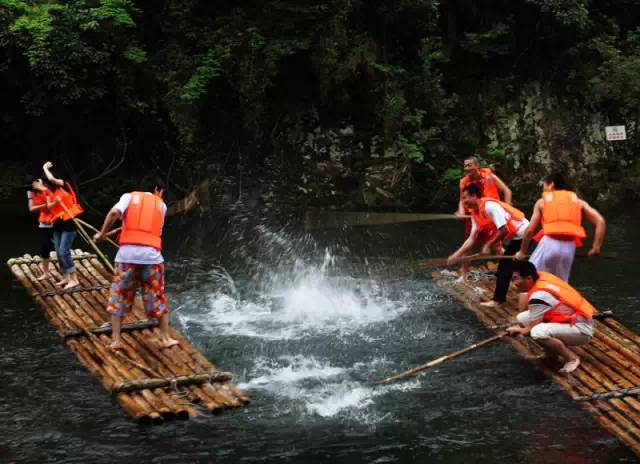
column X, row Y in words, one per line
column 110, row 89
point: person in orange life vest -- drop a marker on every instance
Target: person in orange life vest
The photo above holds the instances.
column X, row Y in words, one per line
column 560, row 212
column 139, row 260
column 64, row 231
column 490, row 186
column 510, row 224
column 556, row 315
column 39, row 197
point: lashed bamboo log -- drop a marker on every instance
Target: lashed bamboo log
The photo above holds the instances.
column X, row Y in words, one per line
column 171, row 381
column 107, row 330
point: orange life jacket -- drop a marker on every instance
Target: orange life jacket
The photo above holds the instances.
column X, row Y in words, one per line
column 68, row 198
column 562, row 214
column 566, row 295
column 487, row 183
column 40, row 198
column 142, row 222
column 484, row 221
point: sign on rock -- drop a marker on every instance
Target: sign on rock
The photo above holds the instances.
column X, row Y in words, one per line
column 615, row 133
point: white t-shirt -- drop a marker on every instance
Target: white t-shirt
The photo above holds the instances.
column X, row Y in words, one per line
column 540, row 302
column 500, row 217
column 136, row 254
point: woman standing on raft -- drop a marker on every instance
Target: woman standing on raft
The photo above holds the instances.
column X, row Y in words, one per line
column 64, row 208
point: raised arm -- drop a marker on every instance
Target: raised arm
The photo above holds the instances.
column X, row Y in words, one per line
column 506, row 191
column 47, row 172
column 534, row 223
column 594, row 217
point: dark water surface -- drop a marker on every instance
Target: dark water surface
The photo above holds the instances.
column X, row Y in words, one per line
column 304, row 337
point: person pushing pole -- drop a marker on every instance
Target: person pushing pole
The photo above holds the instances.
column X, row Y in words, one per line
column 139, row 259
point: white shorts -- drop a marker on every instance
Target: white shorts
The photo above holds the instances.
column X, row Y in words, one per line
column 554, row 256
column 571, row 334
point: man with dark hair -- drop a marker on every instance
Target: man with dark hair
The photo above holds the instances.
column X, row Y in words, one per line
column 139, row 259
column 510, row 224
column 560, row 212
column 556, row 315
column 490, row 186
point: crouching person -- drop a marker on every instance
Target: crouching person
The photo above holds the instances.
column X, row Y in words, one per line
column 557, row 316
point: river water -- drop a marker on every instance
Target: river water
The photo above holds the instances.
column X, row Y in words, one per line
column 304, row 332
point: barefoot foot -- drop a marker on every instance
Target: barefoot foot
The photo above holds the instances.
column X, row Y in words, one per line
column 570, row 366
column 490, row 304
column 116, row 346
column 43, row 277
column 169, row 342
column 71, row 284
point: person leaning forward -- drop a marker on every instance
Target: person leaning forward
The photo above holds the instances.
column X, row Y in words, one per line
column 556, row 315
column 490, row 186
column 560, row 212
column 139, row 259
column 510, row 224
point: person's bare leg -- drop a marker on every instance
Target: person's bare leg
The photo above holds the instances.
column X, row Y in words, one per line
column 167, row 341
column 45, row 269
column 554, row 346
column 116, row 343
column 464, row 271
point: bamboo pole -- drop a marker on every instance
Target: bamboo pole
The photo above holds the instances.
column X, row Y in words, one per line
column 440, row 360
column 107, row 235
column 319, row 219
column 88, row 239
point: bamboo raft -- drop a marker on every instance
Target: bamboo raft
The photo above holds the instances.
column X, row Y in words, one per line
column 607, row 382
column 152, row 384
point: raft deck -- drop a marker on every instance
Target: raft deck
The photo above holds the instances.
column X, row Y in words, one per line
column 150, row 382
column 606, row 383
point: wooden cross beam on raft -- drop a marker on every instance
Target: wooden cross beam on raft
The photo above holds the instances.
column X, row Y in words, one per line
column 107, row 329
column 181, row 381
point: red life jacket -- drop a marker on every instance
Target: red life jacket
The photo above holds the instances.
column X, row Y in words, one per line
column 142, row 221
column 68, row 198
column 40, row 198
column 484, row 221
column 486, row 183
column 566, row 295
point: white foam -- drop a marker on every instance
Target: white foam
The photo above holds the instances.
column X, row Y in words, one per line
column 319, row 388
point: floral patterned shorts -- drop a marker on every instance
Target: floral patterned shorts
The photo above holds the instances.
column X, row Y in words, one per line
column 126, row 278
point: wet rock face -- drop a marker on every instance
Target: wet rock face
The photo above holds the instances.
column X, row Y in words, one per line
column 538, row 134
column 524, row 139
column 343, row 169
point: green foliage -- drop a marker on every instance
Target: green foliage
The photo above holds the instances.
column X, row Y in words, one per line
column 494, row 41
column 135, row 54
column 617, row 81
column 495, row 153
column 115, row 11
column 210, row 68
column 194, row 80
column 567, row 12
column 33, row 26
column 413, row 152
column 452, row 175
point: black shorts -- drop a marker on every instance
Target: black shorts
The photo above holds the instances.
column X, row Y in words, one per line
column 46, row 241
